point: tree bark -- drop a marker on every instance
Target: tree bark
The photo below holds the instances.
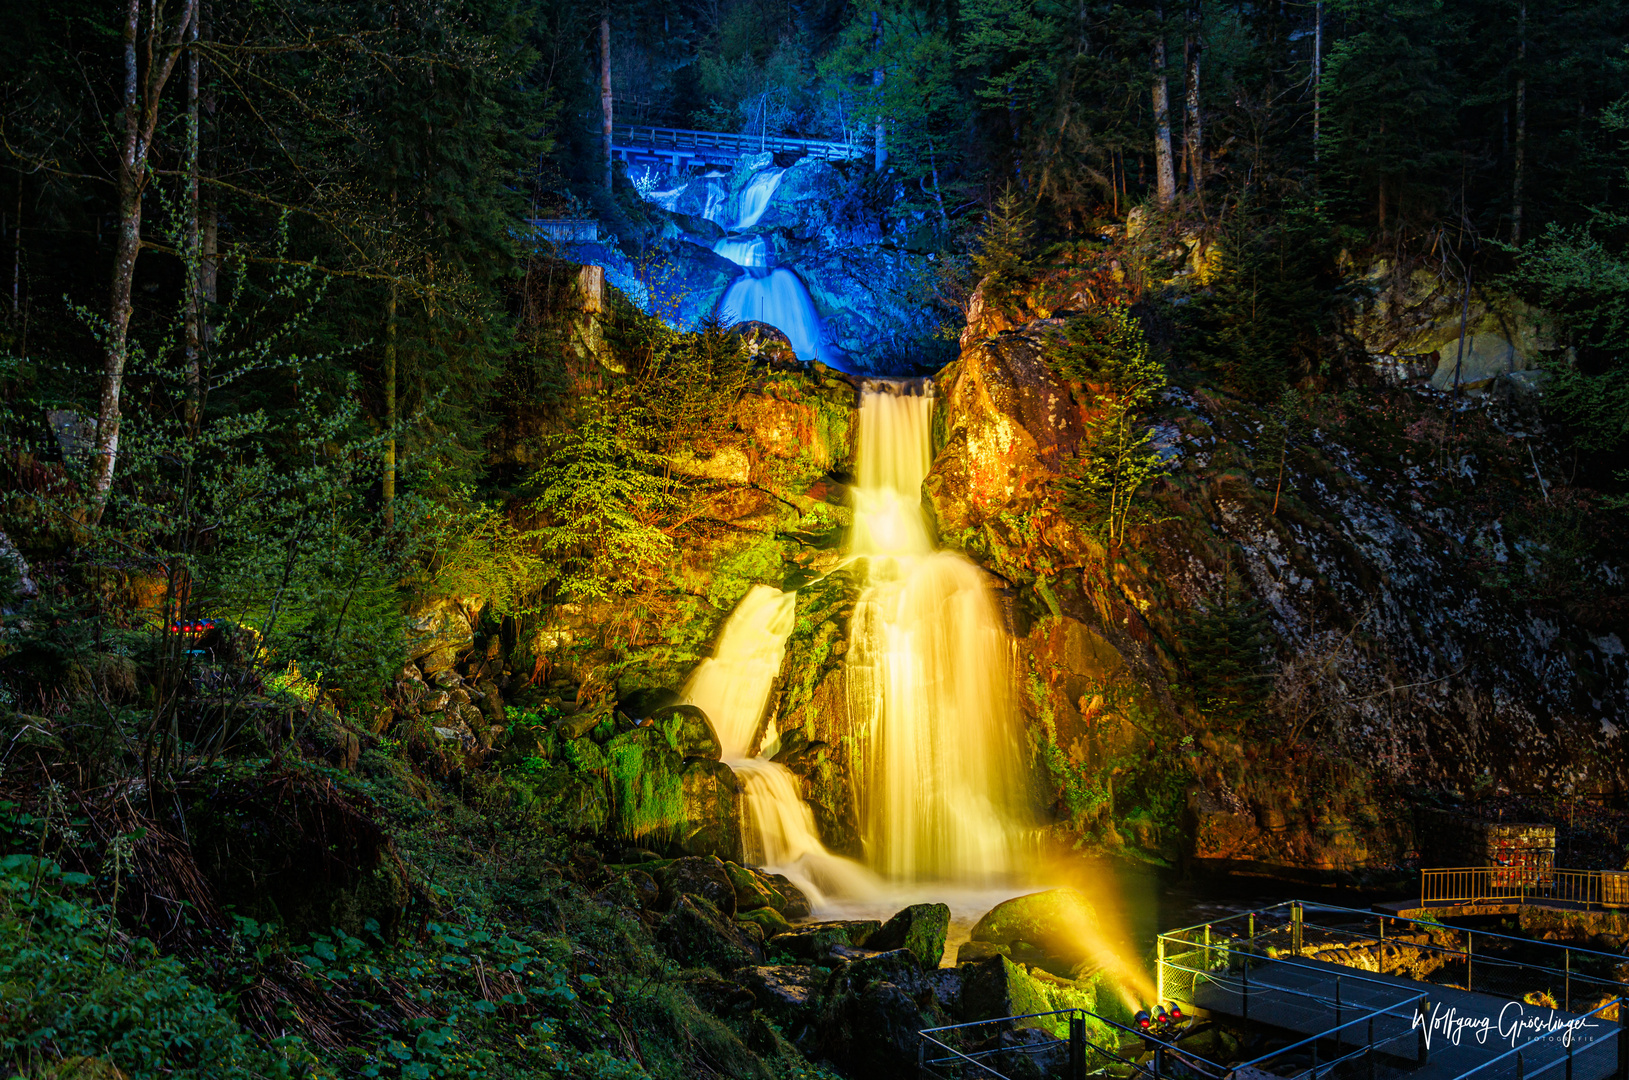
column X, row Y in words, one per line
column 605, row 96
column 876, row 84
column 1193, row 134
column 1165, row 174
column 139, row 116
column 389, row 481
column 1317, row 75
column 1521, row 125
column 193, row 255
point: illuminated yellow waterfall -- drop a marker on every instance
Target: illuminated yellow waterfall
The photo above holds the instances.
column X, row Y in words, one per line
column 928, row 680
column 732, row 688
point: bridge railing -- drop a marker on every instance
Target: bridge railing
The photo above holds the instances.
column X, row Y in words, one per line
column 1518, row 969
column 1522, row 885
column 684, row 142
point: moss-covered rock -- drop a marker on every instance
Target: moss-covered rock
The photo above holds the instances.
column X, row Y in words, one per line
column 815, row 941
column 1000, row 987
column 689, row 731
column 697, row 876
column 767, row 919
column 712, row 825
column 919, row 929
column 696, row 934
column 751, row 890
column 1060, row 923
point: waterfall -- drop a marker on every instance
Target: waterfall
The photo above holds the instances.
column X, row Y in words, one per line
column 715, row 200
column 780, row 299
column 927, row 674
column 755, row 197
column 732, row 688
column 747, row 251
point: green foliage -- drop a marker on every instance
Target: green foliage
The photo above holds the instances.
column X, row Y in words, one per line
column 76, row 987
column 600, row 495
column 1005, row 256
column 1268, row 303
column 1103, row 488
column 471, row 549
column 1227, row 640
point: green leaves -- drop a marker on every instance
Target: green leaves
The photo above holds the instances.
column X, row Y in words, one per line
column 1103, row 487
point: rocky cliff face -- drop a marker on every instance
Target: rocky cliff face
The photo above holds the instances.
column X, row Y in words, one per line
column 1409, row 649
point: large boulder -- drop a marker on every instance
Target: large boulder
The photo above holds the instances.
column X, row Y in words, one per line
column 999, row 987
column 696, row 934
column 1010, row 425
column 919, row 929
column 1058, row 923
column 440, row 631
column 712, row 824
column 816, row 941
column 786, row 992
column 695, row 278
column 872, row 1010
column 696, row 876
column 689, row 731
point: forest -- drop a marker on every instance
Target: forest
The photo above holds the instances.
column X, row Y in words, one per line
column 411, row 412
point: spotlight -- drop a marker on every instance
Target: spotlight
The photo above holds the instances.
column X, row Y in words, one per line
column 1160, row 1015
column 1143, row 1020
column 1176, row 1012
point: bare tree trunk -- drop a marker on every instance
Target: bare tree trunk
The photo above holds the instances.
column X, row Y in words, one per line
column 17, row 252
column 1165, row 174
column 1193, row 133
column 605, row 95
column 389, row 483
column 876, row 83
column 193, row 255
column 1317, row 74
column 140, row 118
column 1521, row 124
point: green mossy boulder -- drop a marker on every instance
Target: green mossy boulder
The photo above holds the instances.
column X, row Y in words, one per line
column 751, row 891
column 697, row 876
column 998, row 987
column 689, row 731
column 815, row 941
column 976, row 952
column 767, row 919
column 1059, row 923
column 712, row 824
column 920, row 929
column 696, row 934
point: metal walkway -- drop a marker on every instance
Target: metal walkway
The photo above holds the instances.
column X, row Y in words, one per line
column 678, row 149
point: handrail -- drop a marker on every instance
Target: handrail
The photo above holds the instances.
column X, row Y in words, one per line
column 1168, row 934
column 1541, row 1038
column 660, row 138
column 1469, row 884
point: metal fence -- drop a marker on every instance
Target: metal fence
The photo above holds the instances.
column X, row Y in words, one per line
column 687, row 143
column 1523, row 885
column 1422, row 951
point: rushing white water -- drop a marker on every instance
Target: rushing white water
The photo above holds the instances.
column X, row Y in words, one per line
column 780, row 299
column 732, row 688
column 927, row 673
column 715, row 201
column 754, row 198
column 747, row 251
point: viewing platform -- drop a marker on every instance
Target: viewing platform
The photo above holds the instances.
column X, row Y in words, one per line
column 677, row 150
column 1319, row 992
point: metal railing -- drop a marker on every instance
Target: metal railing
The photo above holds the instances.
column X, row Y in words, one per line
column 1474, row 961
column 1521, row 885
column 683, row 142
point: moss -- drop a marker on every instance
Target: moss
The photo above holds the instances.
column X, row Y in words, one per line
column 647, row 790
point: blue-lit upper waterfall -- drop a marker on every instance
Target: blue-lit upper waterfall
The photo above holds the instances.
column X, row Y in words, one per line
column 765, row 293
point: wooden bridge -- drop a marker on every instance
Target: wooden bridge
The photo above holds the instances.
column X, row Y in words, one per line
column 677, row 150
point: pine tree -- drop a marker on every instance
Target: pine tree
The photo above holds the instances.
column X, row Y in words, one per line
column 1103, row 488
column 1227, row 640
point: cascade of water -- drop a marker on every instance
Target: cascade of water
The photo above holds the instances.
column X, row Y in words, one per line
column 715, row 201
column 927, row 673
column 754, row 199
column 747, row 251
column 732, row 688
column 781, row 300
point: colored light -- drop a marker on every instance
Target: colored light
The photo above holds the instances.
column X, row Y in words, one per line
column 1176, row 1012
column 1142, row 1018
column 1160, row 1015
